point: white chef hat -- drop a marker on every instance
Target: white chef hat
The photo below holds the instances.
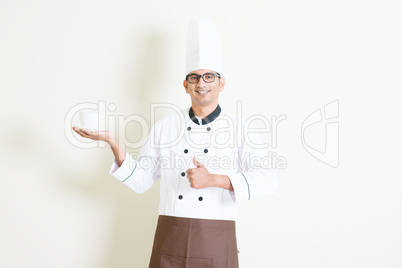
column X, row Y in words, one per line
column 204, row 46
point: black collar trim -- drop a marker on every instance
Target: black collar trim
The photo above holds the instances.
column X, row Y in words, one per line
column 211, row 117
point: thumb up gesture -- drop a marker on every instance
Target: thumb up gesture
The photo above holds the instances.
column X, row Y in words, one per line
column 197, row 164
column 199, row 177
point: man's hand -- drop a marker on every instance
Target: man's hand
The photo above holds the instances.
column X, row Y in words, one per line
column 200, row 178
column 108, row 137
column 103, row 135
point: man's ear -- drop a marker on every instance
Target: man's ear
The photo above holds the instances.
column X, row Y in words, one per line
column 222, row 83
column 185, row 86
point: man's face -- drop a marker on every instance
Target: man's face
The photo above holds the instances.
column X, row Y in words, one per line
column 202, row 93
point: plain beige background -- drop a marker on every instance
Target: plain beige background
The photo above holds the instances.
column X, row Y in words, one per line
column 61, row 208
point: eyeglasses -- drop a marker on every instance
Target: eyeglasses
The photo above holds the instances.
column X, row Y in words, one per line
column 207, row 77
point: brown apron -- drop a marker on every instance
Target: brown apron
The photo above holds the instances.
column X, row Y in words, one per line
column 194, row 243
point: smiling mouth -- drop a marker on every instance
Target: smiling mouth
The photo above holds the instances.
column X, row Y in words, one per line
column 202, row 92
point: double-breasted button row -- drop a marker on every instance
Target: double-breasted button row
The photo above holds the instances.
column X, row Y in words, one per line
column 199, row 198
column 208, row 129
column 186, row 151
column 184, row 174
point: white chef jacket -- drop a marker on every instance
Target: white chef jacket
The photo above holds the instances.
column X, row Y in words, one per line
column 219, row 144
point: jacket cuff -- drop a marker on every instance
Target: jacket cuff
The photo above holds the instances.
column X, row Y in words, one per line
column 240, row 186
column 125, row 171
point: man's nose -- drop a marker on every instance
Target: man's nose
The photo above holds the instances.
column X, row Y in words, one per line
column 201, row 82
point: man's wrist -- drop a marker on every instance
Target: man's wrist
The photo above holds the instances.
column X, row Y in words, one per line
column 223, row 181
column 112, row 141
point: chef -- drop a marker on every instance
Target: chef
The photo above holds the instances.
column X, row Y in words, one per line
column 203, row 162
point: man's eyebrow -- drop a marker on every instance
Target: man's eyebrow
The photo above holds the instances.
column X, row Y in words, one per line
column 203, row 73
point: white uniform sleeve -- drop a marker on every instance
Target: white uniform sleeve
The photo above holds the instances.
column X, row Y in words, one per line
column 254, row 177
column 139, row 175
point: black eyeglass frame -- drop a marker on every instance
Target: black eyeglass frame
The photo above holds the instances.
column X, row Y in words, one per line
column 202, row 76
